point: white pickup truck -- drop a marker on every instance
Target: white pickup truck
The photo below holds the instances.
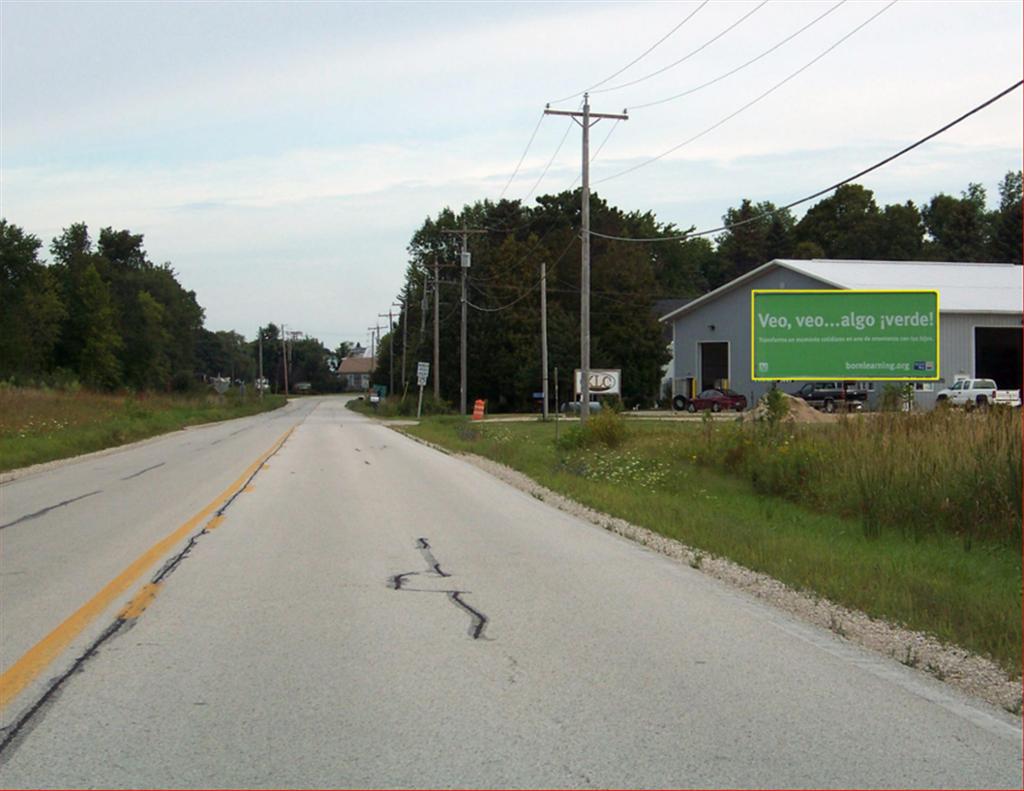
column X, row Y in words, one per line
column 977, row 393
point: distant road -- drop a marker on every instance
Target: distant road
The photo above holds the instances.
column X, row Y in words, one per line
column 365, row 611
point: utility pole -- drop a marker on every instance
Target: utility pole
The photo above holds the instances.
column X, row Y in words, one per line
column 437, row 335
column 391, row 350
column 260, row 341
column 588, row 120
column 544, row 332
column 464, row 260
column 374, row 339
column 405, row 338
column 284, row 359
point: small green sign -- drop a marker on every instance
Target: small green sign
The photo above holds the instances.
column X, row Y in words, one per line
column 825, row 335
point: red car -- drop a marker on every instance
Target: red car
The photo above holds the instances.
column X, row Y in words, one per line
column 716, row 400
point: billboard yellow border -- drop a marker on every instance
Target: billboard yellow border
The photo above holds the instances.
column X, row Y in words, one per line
column 829, row 377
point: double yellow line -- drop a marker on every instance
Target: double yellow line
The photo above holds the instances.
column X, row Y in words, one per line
column 38, row 658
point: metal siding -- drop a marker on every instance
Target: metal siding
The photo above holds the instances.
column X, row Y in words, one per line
column 730, row 315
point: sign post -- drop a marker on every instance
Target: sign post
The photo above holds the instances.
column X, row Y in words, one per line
column 835, row 335
column 422, row 372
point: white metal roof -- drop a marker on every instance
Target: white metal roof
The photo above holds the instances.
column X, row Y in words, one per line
column 962, row 287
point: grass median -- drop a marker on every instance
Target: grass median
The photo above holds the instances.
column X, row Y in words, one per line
column 39, row 425
column 962, row 587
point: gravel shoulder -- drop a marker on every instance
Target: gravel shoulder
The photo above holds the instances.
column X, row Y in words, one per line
column 969, row 673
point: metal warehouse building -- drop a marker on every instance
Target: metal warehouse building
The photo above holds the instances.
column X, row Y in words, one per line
column 980, row 320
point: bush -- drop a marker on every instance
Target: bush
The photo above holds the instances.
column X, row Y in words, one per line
column 606, row 428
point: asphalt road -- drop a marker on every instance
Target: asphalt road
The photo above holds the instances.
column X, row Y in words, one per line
column 370, row 612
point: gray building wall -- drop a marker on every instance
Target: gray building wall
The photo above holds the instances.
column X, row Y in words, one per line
column 956, row 348
column 730, row 315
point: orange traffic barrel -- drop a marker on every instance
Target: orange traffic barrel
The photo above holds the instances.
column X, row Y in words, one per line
column 478, row 409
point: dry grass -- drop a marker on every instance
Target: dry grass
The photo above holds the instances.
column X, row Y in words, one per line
column 38, row 425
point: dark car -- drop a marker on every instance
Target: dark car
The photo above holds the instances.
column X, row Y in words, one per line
column 716, row 400
column 830, row 396
column 573, row 407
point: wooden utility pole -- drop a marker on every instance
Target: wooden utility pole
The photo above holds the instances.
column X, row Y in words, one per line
column 585, row 119
column 437, row 335
column 260, row 341
column 405, row 338
column 464, row 260
column 391, row 350
column 284, row 359
column 544, row 332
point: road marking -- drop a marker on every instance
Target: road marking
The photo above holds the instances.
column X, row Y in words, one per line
column 42, row 654
column 140, row 602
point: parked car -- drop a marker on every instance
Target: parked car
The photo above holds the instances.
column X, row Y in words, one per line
column 714, row 399
column 972, row 393
column 830, row 396
column 573, row 407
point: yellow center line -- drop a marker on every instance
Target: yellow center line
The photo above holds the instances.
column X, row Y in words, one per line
column 38, row 658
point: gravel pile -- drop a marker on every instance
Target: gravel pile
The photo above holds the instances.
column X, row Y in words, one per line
column 965, row 671
column 799, row 412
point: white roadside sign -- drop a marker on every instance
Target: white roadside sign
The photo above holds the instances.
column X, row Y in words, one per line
column 603, row 381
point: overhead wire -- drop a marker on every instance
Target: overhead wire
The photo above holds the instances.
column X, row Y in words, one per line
column 636, row 60
column 525, row 152
column 826, row 190
column 752, row 102
column 551, row 161
column 688, row 55
column 531, row 289
column 742, row 66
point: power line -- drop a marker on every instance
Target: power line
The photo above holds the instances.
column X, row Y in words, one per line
column 530, row 290
column 690, row 54
column 819, row 193
column 636, row 60
column 750, row 62
column 525, row 151
column 550, row 161
column 752, row 102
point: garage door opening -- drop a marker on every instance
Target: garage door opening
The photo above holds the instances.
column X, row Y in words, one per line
column 997, row 355
column 714, row 364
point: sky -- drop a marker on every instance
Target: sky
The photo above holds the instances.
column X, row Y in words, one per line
column 281, row 155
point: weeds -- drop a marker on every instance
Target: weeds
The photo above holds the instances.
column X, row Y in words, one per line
column 38, row 425
column 788, row 504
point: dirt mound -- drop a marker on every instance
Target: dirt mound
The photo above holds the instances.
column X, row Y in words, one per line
column 799, row 411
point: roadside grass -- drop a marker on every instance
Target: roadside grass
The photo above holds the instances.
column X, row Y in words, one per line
column 932, row 581
column 39, row 425
column 400, row 406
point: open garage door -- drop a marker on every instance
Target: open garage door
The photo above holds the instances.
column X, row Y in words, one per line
column 997, row 355
column 714, row 363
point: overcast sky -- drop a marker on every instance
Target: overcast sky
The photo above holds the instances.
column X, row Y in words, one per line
column 280, row 155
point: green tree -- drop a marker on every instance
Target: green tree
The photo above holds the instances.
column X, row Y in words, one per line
column 32, row 308
column 959, row 229
column 759, row 233
column 1007, row 231
column 93, row 320
column 847, row 224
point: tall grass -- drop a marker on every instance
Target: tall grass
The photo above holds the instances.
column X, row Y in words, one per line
column 706, row 485
column 38, row 424
column 944, row 471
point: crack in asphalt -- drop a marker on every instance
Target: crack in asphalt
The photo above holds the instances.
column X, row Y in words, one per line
column 478, row 621
column 23, row 725
column 49, row 508
column 141, row 472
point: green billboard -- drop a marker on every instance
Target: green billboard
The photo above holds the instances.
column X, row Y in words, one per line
column 824, row 335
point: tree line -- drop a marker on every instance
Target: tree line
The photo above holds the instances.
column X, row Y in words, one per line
column 102, row 314
column 627, row 279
